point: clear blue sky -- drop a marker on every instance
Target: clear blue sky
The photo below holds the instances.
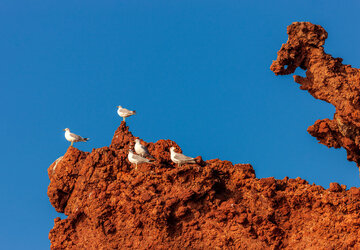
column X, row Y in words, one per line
column 197, row 72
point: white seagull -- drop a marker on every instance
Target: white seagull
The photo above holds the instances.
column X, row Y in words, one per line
column 142, row 150
column 73, row 137
column 123, row 112
column 133, row 158
column 180, row 158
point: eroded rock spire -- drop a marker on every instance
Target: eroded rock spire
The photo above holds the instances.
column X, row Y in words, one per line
column 326, row 79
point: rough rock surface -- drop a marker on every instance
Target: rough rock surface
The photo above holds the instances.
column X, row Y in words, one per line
column 213, row 205
column 326, row 79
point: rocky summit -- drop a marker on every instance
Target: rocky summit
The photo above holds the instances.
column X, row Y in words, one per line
column 213, row 204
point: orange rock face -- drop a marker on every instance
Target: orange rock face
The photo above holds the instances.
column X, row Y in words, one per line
column 326, row 79
column 215, row 204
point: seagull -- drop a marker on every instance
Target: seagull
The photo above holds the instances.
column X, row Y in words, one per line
column 180, row 158
column 142, row 150
column 134, row 158
column 73, row 137
column 125, row 112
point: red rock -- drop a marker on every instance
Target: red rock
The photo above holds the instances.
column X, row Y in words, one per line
column 355, row 191
column 110, row 205
column 270, row 181
column 335, row 187
column 326, row 79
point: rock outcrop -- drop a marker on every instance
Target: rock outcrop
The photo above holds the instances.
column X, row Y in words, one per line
column 213, row 205
column 326, row 79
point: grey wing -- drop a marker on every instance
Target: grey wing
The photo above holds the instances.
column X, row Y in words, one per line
column 76, row 137
column 123, row 110
column 182, row 157
column 139, row 158
column 145, row 149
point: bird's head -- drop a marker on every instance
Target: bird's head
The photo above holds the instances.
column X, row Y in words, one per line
column 67, row 130
column 172, row 149
column 137, row 141
column 119, row 107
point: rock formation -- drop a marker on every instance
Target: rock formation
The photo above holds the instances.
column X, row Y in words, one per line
column 213, row 205
column 326, row 79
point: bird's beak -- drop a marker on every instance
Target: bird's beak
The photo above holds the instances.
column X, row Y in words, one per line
column 64, row 129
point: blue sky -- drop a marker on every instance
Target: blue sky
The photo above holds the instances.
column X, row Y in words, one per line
column 197, row 72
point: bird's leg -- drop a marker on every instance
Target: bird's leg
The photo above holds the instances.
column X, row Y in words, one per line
column 135, row 166
column 72, row 143
column 123, row 119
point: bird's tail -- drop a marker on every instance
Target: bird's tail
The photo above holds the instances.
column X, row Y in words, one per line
column 86, row 139
column 192, row 161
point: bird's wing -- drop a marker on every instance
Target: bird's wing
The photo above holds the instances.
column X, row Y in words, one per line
column 76, row 137
column 182, row 157
column 123, row 110
column 145, row 149
column 140, row 158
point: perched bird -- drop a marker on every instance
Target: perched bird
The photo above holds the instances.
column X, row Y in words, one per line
column 73, row 137
column 134, row 158
column 142, row 150
column 180, row 158
column 125, row 112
